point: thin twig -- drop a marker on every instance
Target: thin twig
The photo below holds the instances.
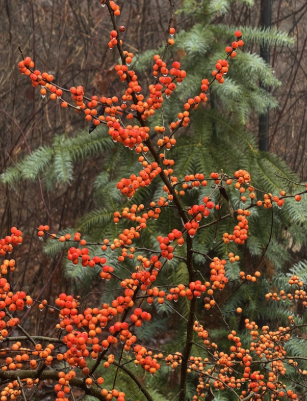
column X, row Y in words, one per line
column 119, row 361
column 134, row 394
column 176, row 395
column 226, row 324
column 72, row 394
column 22, row 329
column 176, row 311
column 203, row 254
column 293, row 182
column 21, row 388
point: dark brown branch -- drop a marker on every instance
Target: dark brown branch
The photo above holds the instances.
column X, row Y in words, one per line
column 49, row 375
column 190, row 324
column 39, row 338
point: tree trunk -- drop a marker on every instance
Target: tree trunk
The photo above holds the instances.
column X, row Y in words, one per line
column 265, row 22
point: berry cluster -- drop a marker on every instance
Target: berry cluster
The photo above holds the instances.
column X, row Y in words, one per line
column 146, row 359
column 10, row 241
column 131, row 137
column 12, row 302
column 138, row 316
column 128, row 186
column 218, row 273
column 75, row 253
column 16, row 301
column 239, row 235
column 13, row 390
column 115, row 9
column 166, row 248
column 63, row 386
column 298, row 295
column 173, row 360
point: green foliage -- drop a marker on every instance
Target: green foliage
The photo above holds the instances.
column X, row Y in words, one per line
column 195, row 48
column 155, row 326
column 62, row 162
column 269, row 36
column 55, row 163
column 53, row 247
column 98, row 217
column 29, row 168
column 218, row 7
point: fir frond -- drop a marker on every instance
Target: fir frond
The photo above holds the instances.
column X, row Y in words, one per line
column 254, row 245
column 62, row 163
column 151, row 329
column 11, row 175
column 218, row 7
column 29, row 168
column 198, row 40
column 100, row 217
column 255, row 68
column 269, row 36
column 53, row 247
column 85, row 145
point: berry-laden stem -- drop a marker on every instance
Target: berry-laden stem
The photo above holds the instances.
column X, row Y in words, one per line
column 121, row 53
column 148, row 143
column 189, row 263
column 124, row 316
column 190, row 324
column 76, row 382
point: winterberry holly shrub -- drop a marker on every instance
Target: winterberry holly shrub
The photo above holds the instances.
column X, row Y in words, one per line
column 81, row 353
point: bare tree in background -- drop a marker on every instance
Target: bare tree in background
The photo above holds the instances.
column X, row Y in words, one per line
column 265, row 22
